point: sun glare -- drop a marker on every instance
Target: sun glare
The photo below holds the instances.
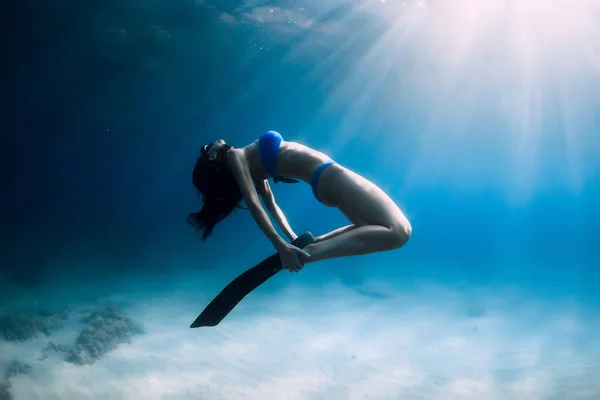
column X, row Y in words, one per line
column 513, row 82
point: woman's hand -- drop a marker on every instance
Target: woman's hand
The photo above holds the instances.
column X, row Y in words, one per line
column 290, row 256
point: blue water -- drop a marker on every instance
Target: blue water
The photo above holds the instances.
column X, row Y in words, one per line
column 480, row 120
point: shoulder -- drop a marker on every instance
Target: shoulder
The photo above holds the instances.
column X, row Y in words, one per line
column 238, row 159
column 235, row 157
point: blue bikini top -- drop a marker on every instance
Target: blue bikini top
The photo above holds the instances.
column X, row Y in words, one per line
column 268, row 147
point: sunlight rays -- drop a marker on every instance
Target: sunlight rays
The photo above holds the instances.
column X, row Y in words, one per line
column 526, row 67
column 470, row 94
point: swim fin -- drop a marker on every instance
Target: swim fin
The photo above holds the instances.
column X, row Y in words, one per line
column 241, row 286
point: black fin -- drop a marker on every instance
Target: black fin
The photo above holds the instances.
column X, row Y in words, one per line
column 241, row 286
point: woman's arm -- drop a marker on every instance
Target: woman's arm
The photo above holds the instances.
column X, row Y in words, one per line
column 265, row 192
column 239, row 168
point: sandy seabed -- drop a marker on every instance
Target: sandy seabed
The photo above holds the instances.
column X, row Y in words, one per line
column 329, row 342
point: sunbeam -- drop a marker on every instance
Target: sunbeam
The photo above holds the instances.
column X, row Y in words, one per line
column 487, row 83
column 479, row 118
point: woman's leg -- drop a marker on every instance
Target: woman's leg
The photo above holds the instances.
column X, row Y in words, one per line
column 378, row 223
column 361, row 240
column 334, row 233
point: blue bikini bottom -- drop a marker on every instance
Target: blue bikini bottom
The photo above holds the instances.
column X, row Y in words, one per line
column 314, row 181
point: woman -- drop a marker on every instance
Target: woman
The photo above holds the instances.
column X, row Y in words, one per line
column 225, row 175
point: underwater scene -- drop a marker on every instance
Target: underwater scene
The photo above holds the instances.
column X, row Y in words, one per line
column 440, row 240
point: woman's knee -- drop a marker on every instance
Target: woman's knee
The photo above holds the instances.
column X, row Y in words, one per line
column 400, row 232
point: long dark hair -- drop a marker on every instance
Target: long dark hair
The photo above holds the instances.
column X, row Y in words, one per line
column 219, row 190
